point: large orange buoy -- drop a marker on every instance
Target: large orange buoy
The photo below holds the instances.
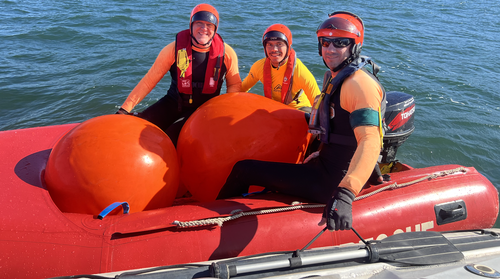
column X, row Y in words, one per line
column 113, row 158
column 233, row 127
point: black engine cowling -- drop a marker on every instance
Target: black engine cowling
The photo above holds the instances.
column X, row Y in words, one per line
column 398, row 124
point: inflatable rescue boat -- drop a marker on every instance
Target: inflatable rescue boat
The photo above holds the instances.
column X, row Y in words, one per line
column 430, row 255
column 41, row 237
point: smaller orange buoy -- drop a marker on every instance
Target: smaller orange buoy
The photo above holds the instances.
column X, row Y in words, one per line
column 232, row 127
column 113, row 158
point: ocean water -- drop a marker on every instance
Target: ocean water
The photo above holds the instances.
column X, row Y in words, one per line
column 68, row 61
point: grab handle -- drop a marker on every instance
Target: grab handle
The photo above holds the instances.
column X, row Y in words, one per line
column 450, row 212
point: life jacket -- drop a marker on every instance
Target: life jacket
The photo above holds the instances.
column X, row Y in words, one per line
column 337, row 130
column 286, row 86
column 184, row 58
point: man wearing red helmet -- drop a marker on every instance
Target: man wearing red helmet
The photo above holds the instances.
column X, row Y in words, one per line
column 284, row 76
column 347, row 119
column 198, row 61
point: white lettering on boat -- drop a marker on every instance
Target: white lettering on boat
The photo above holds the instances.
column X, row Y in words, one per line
column 418, row 227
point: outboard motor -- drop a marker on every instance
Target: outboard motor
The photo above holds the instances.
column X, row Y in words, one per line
column 398, row 124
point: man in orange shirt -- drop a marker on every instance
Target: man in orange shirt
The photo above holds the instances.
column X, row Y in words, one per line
column 347, row 119
column 198, row 61
column 284, row 76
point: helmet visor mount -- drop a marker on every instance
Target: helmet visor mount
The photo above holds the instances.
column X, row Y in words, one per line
column 274, row 36
column 205, row 16
column 341, row 24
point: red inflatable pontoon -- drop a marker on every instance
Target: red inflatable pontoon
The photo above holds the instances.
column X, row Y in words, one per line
column 37, row 240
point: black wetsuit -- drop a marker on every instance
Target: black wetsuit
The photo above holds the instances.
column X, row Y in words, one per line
column 176, row 107
column 315, row 180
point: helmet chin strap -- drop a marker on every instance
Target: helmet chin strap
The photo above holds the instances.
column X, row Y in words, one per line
column 355, row 50
column 210, row 41
column 343, row 64
column 281, row 63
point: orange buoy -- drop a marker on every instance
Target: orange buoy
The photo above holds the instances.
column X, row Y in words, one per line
column 113, row 158
column 233, row 127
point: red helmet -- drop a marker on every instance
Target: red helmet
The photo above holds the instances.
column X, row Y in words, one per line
column 206, row 13
column 342, row 24
column 278, row 32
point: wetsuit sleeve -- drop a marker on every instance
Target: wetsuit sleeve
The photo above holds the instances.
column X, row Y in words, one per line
column 161, row 66
column 306, row 81
column 255, row 74
column 233, row 80
column 361, row 92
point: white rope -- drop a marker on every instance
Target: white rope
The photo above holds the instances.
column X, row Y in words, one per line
column 220, row 220
column 395, row 185
column 297, row 205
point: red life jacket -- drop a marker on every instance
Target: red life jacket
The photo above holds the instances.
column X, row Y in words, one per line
column 213, row 70
column 286, row 86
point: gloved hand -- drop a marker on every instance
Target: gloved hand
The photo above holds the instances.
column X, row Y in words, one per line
column 122, row 111
column 338, row 211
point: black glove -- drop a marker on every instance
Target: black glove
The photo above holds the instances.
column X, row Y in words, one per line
column 338, row 210
column 122, row 111
column 376, row 177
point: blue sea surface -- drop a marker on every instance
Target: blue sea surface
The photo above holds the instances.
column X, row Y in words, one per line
column 69, row 61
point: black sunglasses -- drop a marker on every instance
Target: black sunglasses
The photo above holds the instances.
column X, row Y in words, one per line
column 337, row 42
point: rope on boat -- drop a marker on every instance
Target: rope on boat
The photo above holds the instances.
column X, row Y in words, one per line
column 297, row 205
column 395, row 185
column 238, row 213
